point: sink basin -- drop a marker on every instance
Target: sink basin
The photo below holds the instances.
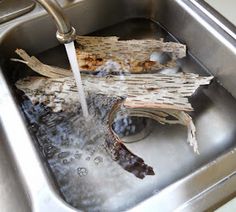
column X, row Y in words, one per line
column 182, row 178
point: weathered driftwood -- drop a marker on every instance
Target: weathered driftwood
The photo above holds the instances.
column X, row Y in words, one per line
column 39, row 67
column 130, row 55
column 156, row 96
column 108, row 53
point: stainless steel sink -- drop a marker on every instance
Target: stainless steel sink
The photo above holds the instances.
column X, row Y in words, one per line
column 183, row 181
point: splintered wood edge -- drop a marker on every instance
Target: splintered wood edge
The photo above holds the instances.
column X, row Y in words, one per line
column 161, row 116
column 138, row 105
column 41, row 68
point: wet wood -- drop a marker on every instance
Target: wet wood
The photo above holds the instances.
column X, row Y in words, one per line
column 161, row 97
column 130, row 55
column 42, row 69
column 151, row 91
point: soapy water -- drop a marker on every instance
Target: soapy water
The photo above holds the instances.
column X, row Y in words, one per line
column 74, row 148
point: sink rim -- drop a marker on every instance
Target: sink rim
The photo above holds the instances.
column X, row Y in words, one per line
column 5, row 92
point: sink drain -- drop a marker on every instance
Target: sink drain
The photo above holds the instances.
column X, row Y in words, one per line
column 133, row 129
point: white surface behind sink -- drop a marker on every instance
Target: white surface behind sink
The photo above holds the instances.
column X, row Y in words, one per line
column 225, row 7
column 228, row 207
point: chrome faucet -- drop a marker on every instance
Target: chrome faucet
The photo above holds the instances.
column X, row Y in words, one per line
column 65, row 32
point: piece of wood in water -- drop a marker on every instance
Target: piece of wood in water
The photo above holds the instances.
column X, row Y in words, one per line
column 161, row 97
column 94, row 53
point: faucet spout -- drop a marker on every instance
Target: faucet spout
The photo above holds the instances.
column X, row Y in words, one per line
column 65, row 32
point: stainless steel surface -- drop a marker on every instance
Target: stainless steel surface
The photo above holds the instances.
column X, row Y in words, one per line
column 65, row 32
column 225, row 9
column 206, row 39
column 12, row 192
column 220, row 20
column 213, row 196
column 66, row 37
column 183, row 178
column 10, row 9
column 33, row 176
column 208, row 188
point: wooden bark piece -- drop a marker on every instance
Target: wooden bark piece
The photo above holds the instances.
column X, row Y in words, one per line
column 157, row 96
column 59, row 94
column 130, row 56
column 151, row 95
column 153, row 91
column 42, row 69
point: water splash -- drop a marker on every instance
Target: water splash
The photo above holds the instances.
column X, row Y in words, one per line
column 70, row 50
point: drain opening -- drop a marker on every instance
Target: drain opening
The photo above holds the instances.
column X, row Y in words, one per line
column 132, row 129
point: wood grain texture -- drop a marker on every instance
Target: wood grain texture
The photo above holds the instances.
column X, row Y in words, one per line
column 161, row 97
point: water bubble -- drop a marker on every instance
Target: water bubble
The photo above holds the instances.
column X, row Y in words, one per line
column 64, row 136
column 63, row 155
column 92, row 152
column 98, row 160
column 65, row 161
column 65, row 143
column 34, row 128
column 50, row 150
column 81, row 171
column 78, row 155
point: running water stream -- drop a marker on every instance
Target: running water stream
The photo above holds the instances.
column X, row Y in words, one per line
column 70, row 50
